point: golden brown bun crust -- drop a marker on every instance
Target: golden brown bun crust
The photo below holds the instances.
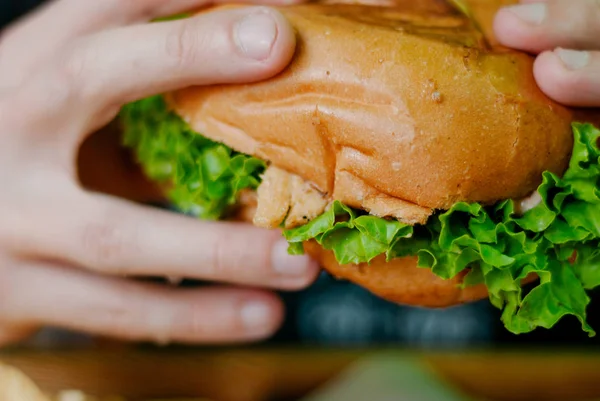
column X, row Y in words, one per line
column 400, row 280
column 407, row 102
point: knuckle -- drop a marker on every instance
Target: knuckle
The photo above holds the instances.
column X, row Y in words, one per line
column 105, row 244
column 238, row 256
column 73, row 73
column 60, row 87
column 117, row 319
column 73, row 79
column 182, row 44
column 220, row 257
column 72, row 67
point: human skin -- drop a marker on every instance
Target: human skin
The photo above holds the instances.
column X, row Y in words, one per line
column 69, row 256
column 565, row 37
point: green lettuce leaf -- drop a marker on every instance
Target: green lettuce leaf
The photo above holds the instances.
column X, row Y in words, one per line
column 204, row 177
column 558, row 240
column 174, row 17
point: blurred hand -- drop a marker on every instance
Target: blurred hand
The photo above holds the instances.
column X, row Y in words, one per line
column 565, row 34
column 65, row 252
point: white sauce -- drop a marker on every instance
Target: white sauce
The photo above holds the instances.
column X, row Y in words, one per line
column 526, row 204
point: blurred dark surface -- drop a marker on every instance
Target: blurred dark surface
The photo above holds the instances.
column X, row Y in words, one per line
column 338, row 313
column 11, row 9
column 333, row 313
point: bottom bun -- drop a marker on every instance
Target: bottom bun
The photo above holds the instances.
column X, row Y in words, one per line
column 400, row 280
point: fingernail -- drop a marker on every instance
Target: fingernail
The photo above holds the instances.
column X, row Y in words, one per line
column 531, row 13
column 255, row 35
column 573, row 59
column 256, row 316
column 288, row 265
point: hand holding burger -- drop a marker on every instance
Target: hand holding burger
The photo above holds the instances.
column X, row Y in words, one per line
column 66, row 253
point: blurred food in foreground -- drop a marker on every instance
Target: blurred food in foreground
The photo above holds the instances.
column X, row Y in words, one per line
column 384, row 378
column 15, row 386
column 375, row 378
column 311, row 374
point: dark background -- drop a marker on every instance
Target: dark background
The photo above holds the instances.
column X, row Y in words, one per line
column 10, row 9
column 338, row 313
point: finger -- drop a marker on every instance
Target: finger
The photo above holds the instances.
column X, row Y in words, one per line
column 241, row 45
column 570, row 77
column 540, row 26
column 10, row 332
column 49, row 295
column 22, row 49
column 115, row 237
column 63, row 20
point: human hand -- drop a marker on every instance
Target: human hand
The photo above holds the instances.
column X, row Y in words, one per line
column 565, row 34
column 66, row 253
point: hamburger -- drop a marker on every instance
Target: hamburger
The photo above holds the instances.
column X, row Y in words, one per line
column 403, row 149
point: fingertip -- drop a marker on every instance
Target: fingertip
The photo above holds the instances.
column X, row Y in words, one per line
column 564, row 85
column 314, row 270
column 223, row 314
column 501, row 26
column 293, row 272
column 266, row 36
column 261, row 315
column 512, row 32
column 309, row 276
column 261, row 43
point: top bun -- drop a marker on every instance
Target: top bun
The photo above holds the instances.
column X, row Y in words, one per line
column 410, row 105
